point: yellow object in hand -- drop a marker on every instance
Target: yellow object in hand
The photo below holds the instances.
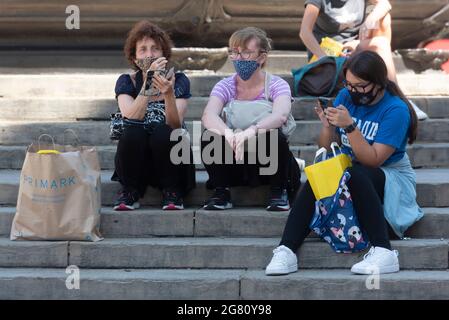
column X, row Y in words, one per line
column 330, row 47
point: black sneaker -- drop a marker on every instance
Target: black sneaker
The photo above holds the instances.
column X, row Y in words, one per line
column 172, row 200
column 127, row 200
column 278, row 200
column 221, row 200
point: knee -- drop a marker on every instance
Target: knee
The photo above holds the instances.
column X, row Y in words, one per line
column 385, row 23
column 208, row 137
column 358, row 176
column 274, row 136
column 376, row 44
column 133, row 135
column 160, row 137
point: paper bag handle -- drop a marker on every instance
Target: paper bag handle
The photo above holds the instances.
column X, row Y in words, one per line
column 74, row 134
column 333, row 146
column 39, row 140
column 322, row 152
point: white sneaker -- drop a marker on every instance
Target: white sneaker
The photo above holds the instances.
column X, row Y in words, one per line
column 378, row 260
column 419, row 113
column 284, row 261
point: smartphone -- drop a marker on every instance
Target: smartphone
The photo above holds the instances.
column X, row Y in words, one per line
column 325, row 103
column 170, row 73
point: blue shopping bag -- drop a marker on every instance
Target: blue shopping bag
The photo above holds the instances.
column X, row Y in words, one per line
column 335, row 220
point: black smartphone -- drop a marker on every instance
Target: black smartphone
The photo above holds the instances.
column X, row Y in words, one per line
column 325, row 103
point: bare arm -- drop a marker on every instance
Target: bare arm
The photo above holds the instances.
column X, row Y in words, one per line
column 133, row 108
column 372, row 21
column 211, row 115
column 306, row 32
column 175, row 109
column 282, row 106
column 381, row 9
column 368, row 155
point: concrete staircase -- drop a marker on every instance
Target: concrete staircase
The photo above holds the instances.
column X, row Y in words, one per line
column 198, row 254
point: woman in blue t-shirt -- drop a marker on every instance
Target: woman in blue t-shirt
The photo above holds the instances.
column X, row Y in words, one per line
column 373, row 121
column 152, row 109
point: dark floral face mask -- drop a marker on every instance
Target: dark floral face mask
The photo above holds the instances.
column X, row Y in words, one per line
column 144, row 64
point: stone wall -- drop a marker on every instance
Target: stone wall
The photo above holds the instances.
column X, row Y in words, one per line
column 208, row 23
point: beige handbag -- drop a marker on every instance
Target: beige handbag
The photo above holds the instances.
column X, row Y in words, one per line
column 241, row 114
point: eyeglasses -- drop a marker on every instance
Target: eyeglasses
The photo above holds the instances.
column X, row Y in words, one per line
column 245, row 55
column 352, row 87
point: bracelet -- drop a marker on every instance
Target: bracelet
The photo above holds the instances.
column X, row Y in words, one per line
column 350, row 128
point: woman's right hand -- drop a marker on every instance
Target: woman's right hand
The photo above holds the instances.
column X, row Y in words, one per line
column 230, row 138
column 320, row 112
column 158, row 64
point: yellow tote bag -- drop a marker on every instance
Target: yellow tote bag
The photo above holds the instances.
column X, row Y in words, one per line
column 325, row 175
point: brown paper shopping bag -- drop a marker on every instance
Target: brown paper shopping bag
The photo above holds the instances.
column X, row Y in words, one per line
column 59, row 194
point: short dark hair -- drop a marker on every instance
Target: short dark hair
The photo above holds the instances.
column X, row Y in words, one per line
column 144, row 29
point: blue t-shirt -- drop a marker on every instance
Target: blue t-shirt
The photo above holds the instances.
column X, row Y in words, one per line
column 386, row 122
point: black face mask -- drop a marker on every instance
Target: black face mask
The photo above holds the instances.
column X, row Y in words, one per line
column 363, row 98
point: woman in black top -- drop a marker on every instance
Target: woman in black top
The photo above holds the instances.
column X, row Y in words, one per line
column 143, row 151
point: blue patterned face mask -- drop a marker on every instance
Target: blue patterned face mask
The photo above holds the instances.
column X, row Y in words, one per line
column 245, row 68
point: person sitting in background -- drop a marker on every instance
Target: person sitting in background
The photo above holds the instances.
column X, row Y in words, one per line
column 348, row 22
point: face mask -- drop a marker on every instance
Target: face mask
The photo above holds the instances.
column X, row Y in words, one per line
column 245, row 68
column 363, row 98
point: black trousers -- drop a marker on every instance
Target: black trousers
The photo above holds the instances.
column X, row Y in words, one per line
column 143, row 159
column 239, row 174
column 367, row 191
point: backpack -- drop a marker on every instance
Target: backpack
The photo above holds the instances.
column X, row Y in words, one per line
column 322, row 78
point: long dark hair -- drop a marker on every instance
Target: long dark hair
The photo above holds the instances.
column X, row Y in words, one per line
column 369, row 66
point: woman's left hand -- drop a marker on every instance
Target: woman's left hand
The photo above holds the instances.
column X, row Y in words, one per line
column 240, row 139
column 339, row 116
column 165, row 86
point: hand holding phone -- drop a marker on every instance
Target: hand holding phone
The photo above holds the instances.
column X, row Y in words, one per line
column 323, row 104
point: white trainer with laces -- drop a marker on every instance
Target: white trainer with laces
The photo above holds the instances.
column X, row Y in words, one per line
column 378, row 260
column 284, row 261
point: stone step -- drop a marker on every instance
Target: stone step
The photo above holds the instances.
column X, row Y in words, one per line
column 145, row 222
column 203, row 253
column 422, row 155
column 101, row 86
column 97, row 132
column 109, row 61
column 50, row 284
column 256, row 222
column 136, row 284
column 342, row 284
column 432, row 189
column 283, row 61
column 241, row 222
column 65, row 109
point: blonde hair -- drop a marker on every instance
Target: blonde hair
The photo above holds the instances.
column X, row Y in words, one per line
column 241, row 37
